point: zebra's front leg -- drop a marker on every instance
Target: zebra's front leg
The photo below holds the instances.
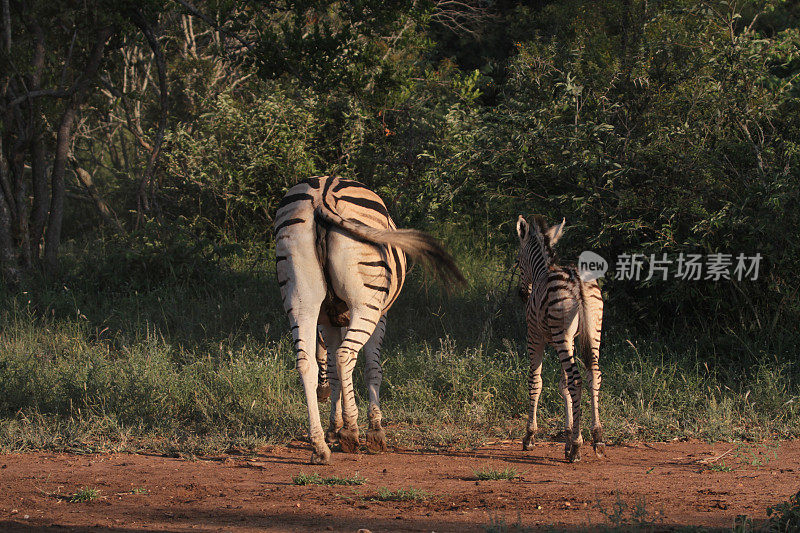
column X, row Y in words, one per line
column 333, row 337
column 535, row 354
column 362, row 323
column 570, row 385
column 373, row 374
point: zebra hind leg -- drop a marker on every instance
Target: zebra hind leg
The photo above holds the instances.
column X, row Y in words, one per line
column 332, row 336
column 535, row 353
column 362, row 324
column 323, row 386
column 570, row 385
column 373, row 373
column 594, row 378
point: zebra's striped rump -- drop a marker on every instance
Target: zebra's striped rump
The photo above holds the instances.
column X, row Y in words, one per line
column 341, row 263
column 559, row 308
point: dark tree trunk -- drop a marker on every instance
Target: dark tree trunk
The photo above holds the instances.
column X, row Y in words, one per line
column 54, row 221
column 41, row 199
column 8, row 256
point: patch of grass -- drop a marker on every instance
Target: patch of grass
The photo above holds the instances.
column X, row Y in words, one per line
column 401, row 495
column 720, row 467
column 490, row 474
column 85, row 494
column 315, row 479
column 499, row 525
column 96, row 364
column 759, row 454
column 784, row 516
column 756, row 455
column 622, row 515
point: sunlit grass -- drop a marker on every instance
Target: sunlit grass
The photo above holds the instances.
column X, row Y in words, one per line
column 201, row 368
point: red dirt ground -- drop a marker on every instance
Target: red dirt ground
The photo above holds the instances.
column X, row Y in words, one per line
column 256, row 493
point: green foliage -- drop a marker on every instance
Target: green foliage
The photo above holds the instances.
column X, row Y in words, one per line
column 199, row 367
column 622, row 515
column 653, row 127
column 491, row 474
column 146, row 259
column 231, row 167
column 668, row 134
column 785, row 516
column 86, row 494
column 315, row 479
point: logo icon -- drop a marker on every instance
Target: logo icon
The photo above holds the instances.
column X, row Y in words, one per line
column 591, row 266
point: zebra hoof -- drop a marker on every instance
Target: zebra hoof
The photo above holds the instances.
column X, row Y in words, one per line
column 527, row 442
column 600, row 450
column 574, row 455
column 348, row 440
column 332, row 436
column 323, row 392
column 376, row 440
column 321, row 456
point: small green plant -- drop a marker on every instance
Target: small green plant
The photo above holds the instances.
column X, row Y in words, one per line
column 756, row 455
column 720, row 467
column 83, row 495
column 759, row 455
column 490, row 474
column 139, row 490
column 742, row 524
column 784, row 516
column 401, row 495
column 499, row 525
column 315, row 479
column 622, row 515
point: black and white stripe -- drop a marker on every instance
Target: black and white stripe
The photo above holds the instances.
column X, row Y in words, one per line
column 341, row 263
column 560, row 307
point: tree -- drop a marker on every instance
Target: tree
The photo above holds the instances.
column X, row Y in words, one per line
column 50, row 71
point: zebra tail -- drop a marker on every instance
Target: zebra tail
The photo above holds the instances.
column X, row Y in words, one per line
column 583, row 325
column 418, row 245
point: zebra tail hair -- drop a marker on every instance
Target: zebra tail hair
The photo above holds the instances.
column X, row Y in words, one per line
column 583, row 326
column 418, row 245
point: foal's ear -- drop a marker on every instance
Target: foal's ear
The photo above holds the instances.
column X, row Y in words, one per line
column 555, row 232
column 522, row 228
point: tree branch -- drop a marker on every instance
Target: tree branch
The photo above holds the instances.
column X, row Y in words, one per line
column 102, row 206
column 55, row 219
column 161, row 64
column 196, row 12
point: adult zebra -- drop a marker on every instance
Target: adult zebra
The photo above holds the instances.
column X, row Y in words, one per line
column 559, row 307
column 341, row 263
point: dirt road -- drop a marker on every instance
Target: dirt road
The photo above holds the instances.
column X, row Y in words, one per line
column 673, row 484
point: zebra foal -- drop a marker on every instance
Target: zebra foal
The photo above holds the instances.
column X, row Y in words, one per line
column 559, row 306
column 341, row 263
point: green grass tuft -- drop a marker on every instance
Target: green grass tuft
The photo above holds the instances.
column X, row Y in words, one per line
column 401, row 495
column 83, row 495
column 490, row 474
column 315, row 479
